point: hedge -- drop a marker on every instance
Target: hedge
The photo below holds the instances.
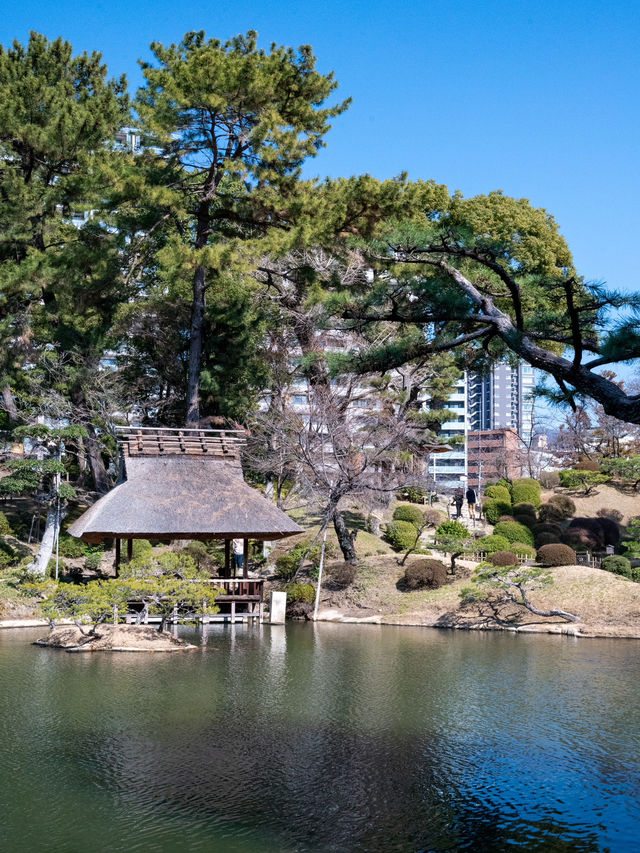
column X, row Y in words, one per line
column 514, row 532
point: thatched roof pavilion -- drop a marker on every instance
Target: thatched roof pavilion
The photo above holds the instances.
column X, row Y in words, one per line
column 182, row 484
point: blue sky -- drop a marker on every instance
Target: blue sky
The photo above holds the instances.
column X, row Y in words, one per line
column 539, row 99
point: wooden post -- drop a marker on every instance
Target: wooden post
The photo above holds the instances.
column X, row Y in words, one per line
column 129, row 550
column 233, row 613
column 117, row 560
column 245, row 558
column 227, row 558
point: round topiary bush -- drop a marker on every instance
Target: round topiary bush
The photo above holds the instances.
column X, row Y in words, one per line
column 342, row 574
column 566, row 507
column 550, row 512
column 425, row 573
column 556, row 555
column 503, row 558
column 93, row 560
column 608, row 512
column 412, row 514
column 491, row 544
column 547, row 527
column 499, row 493
column 522, row 550
column 617, row 564
column 401, row 535
column 493, row 509
column 452, row 528
column 610, row 530
column 529, row 521
column 524, row 508
column 526, row 491
column 514, row 532
column 605, row 531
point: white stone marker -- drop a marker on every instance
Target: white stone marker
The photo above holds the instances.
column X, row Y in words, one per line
column 278, row 608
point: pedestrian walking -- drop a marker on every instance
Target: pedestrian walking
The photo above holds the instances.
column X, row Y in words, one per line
column 471, row 502
column 458, row 499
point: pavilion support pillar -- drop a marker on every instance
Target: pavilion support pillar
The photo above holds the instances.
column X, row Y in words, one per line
column 227, row 558
column 129, row 550
column 116, row 564
column 245, row 558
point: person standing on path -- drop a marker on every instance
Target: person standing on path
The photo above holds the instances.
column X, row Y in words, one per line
column 458, row 499
column 471, row 502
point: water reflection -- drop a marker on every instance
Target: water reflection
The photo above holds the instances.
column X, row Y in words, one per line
column 323, row 738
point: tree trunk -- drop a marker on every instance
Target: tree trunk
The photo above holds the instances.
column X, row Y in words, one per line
column 51, row 531
column 346, row 540
column 570, row 617
column 195, row 346
column 9, row 404
column 94, row 455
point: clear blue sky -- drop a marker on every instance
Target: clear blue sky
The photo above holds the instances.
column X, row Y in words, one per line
column 539, row 99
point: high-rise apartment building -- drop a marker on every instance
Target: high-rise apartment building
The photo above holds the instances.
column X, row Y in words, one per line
column 502, row 399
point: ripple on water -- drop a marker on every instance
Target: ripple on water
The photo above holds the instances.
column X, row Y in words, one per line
column 323, row 738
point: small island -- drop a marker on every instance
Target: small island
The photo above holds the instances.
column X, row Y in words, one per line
column 113, row 638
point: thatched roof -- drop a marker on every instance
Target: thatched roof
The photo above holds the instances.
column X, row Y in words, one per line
column 193, row 492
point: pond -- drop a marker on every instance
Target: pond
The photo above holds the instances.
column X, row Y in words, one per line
column 322, row 738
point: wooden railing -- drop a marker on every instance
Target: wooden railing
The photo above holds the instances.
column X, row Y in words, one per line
column 240, row 587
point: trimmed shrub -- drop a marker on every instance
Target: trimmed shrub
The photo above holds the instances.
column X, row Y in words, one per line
column 603, row 529
column 425, row 573
column 566, row 507
column 503, row 558
column 5, row 527
column 528, row 520
column 582, row 539
column 550, row 512
column 303, row 592
column 92, row 561
column 499, row 493
column 522, row 550
column 611, row 531
column 452, row 528
column 286, row 566
column 514, row 532
column 618, row 565
column 524, row 508
column 506, row 518
column 409, row 513
column 342, row 574
column 556, row 555
column 549, row 479
column 526, row 491
column 433, row 517
column 547, row 527
column 609, row 512
column 491, row 544
column 71, row 547
column 493, row 509
column 546, row 539
column 401, row 535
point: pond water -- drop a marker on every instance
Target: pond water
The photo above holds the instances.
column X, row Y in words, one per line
column 322, row 738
